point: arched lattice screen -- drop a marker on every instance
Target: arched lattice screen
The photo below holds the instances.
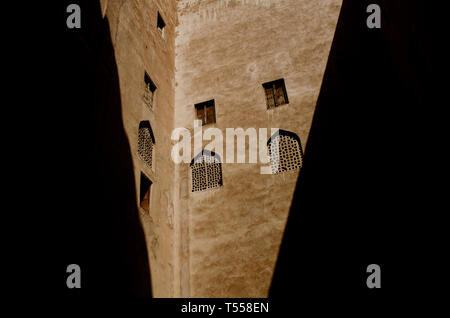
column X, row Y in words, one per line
column 285, row 152
column 206, row 170
column 146, row 142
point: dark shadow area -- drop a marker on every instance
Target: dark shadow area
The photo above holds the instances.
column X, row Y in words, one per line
column 361, row 195
column 88, row 192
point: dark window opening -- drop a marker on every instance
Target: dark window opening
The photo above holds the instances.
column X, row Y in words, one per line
column 206, row 112
column 276, row 94
column 149, row 91
column 161, row 24
column 144, row 194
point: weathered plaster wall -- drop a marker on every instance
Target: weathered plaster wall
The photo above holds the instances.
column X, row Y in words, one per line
column 139, row 47
column 226, row 49
column 220, row 243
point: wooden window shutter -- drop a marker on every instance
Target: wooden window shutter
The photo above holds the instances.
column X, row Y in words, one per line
column 201, row 114
column 210, row 114
column 145, row 203
column 270, row 98
column 279, row 95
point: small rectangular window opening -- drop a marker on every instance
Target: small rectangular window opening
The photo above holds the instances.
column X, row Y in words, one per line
column 206, row 112
column 148, row 83
column 276, row 94
column 144, row 193
column 149, row 92
column 161, row 25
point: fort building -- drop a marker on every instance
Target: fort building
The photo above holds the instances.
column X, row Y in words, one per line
column 213, row 229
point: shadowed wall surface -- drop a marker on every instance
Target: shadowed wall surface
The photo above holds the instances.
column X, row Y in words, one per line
column 140, row 48
column 224, row 243
column 221, row 243
column 360, row 197
column 91, row 192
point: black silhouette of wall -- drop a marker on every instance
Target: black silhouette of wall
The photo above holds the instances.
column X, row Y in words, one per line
column 360, row 189
column 89, row 189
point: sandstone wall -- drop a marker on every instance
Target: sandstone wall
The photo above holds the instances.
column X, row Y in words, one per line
column 225, row 50
column 224, row 242
column 139, row 47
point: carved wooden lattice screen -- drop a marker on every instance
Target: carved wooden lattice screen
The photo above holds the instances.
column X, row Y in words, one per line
column 206, row 171
column 146, row 143
column 285, row 152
